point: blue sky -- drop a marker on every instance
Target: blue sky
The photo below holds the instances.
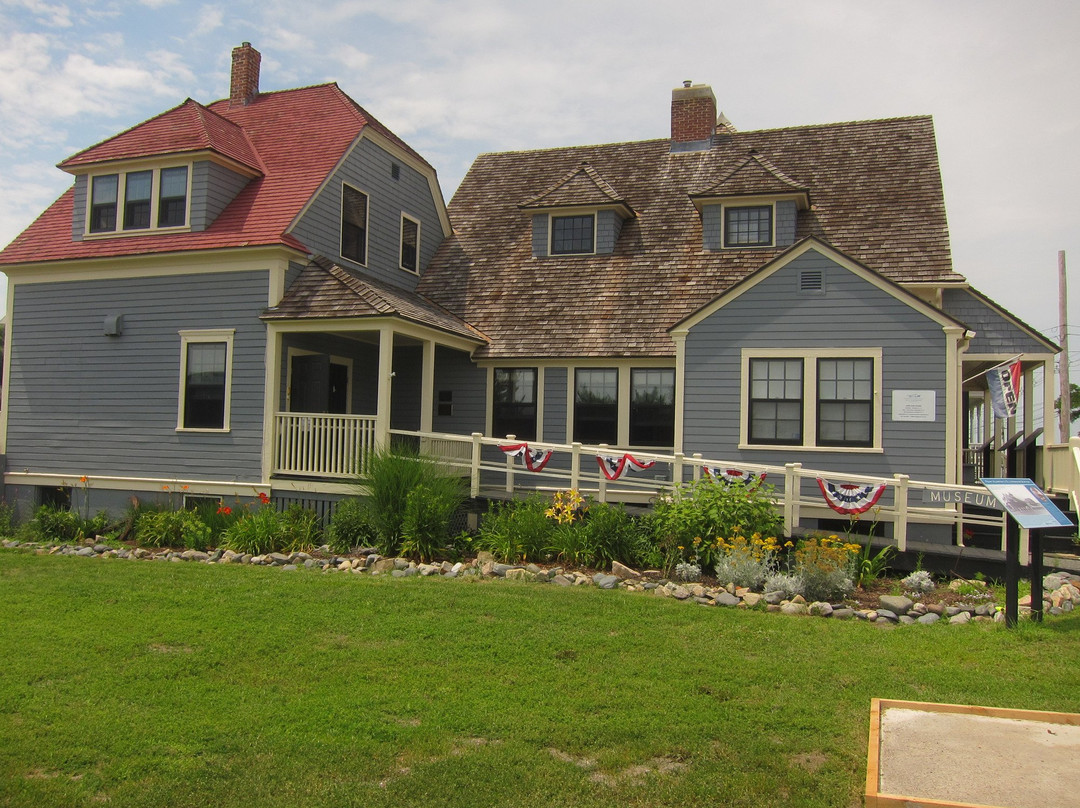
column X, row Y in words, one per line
column 458, row 78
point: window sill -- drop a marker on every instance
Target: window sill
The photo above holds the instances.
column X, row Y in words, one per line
column 783, row 447
column 224, row 431
column 145, row 231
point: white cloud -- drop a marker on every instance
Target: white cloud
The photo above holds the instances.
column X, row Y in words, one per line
column 209, row 20
column 56, row 15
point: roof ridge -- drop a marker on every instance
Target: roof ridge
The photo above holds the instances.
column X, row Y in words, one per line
column 278, row 92
column 594, row 176
column 202, row 109
column 131, row 128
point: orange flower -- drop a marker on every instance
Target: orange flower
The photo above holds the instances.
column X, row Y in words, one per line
column 225, row 509
column 83, row 479
column 263, row 498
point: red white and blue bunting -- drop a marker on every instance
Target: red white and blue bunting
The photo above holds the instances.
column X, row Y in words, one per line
column 729, row 476
column 849, row 498
column 615, row 467
column 533, row 459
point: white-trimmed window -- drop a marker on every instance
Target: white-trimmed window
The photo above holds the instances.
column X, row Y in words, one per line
column 513, row 402
column 827, row 398
column 134, row 201
column 596, row 405
column 205, row 380
column 354, row 224
column 652, row 406
column 573, row 235
column 748, row 226
column 410, row 244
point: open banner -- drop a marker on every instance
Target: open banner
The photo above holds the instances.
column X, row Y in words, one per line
column 615, row 467
column 532, row 459
column 849, row 498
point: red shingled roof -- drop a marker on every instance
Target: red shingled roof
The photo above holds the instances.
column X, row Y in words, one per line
column 294, row 137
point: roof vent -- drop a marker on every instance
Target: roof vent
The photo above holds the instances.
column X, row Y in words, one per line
column 812, row 281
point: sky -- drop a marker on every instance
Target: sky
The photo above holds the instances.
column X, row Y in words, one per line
column 461, row 77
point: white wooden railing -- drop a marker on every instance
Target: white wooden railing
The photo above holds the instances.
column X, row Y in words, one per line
column 1063, row 470
column 317, row 445
column 796, row 494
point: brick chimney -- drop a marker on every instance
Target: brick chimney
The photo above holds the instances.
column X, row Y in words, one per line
column 244, row 85
column 693, row 114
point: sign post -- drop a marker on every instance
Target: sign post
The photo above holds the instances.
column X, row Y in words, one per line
column 1026, row 506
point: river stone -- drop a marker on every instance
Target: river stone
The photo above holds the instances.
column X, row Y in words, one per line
column 843, row 614
column 906, row 619
column 960, row 618
column 562, row 580
column 887, row 614
column 383, row 565
column 897, row 604
column 751, row 599
column 101, row 548
column 726, row 599
column 793, row 608
column 606, row 581
column 500, row 570
column 820, row 609
column 85, row 552
column 288, row 568
column 519, row 574
column 402, row 563
column 928, row 618
column 774, row 598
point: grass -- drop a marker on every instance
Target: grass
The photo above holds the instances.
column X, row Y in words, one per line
column 149, row 683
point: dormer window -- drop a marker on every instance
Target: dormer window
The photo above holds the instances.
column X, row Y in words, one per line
column 573, row 235
column 750, row 226
column 133, row 193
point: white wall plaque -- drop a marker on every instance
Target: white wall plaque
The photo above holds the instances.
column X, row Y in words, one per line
column 914, row 405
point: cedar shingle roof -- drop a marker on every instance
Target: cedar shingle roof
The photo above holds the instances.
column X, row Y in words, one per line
column 297, row 137
column 754, row 175
column 581, row 186
column 326, row 290
column 877, row 196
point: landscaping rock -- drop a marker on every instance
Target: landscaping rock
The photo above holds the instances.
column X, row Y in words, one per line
column 519, row 574
column 726, row 599
column 562, row 580
column 791, row 607
column 960, row 618
column 774, row 598
column 929, row 618
column 402, row 564
column 820, row 609
column 887, row 614
column 85, row 552
column 289, row 568
column 383, row 565
column 897, row 604
column 751, row 599
column 101, row 548
column 843, row 614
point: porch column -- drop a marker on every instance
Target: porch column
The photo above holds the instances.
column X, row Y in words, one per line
column 679, row 338
column 427, row 386
column 386, row 371
column 1029, row 401
column 954, row 456
column 271, row 398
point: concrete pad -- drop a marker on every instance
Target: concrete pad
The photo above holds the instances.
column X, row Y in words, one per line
column 959, row 756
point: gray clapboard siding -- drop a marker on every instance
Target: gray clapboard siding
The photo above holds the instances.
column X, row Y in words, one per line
column 455, row 371
column 608, row 226
column 365, row 366
column 994, row 333
column 786, row 216
column 853, row 313
column 84, row 403
column 555, row 405
column 213, row 187
column 368, row 169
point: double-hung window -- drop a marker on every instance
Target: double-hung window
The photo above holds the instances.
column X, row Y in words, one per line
column 776, row 401
column 354, row 224
column 410, row 243
column 845, row 402
column 205, row 380
column 138, row 200
column 573, row 235
column 596, row 405
column 652, row 407
column 513, row 410
column 826, row 398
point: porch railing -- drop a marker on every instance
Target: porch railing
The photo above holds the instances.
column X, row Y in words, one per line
column 1063, row 470
column 797, row 495
column 316, row 445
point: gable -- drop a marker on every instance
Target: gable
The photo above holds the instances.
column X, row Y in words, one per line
column 996, row 330
column 795, row 277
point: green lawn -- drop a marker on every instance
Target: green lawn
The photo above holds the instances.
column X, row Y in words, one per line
column 150, row 683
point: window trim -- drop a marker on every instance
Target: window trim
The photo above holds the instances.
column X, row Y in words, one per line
column 119, row 230
column 810, row 397
column 291, row 351
column 570, row 215
column 401, row 244
column 744, row 206
column 196, row 336
column 630, row 409
column 537, row 394
column 621, row 401
column 367, row 225
column 844, row 401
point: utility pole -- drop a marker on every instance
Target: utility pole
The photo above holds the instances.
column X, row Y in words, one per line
column 1065, row 408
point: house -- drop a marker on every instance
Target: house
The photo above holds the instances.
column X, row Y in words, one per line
column 244, row 297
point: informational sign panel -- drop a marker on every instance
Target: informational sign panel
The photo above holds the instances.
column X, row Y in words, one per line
column 914, row 405
column 1025, row 502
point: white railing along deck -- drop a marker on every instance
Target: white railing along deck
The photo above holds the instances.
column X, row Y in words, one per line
column 1063, row 470
column 797, row 494
column 318, row 445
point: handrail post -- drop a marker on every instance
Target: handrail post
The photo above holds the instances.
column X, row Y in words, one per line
column 510, row 467
column 575, row 465
column 697, row 466
column 792, row 486
column 677, row 469
column 601, row 485
column 901, row 499
column 474, row 477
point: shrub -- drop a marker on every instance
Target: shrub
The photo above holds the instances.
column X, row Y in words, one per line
column 790, row 585
column 63, row 524
column 687, row 572
column 612, row 532
column 7, row 519
column 218, row 518
column 869, row 567
column 349, row 526
column 429, row 508
column 745, row 561
column 516, row 530
column 258, row 533
column 708, row 509
column 300, row 528
column 161, row 528
column 391, row 475
column 823, row 565
column 918, row 582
